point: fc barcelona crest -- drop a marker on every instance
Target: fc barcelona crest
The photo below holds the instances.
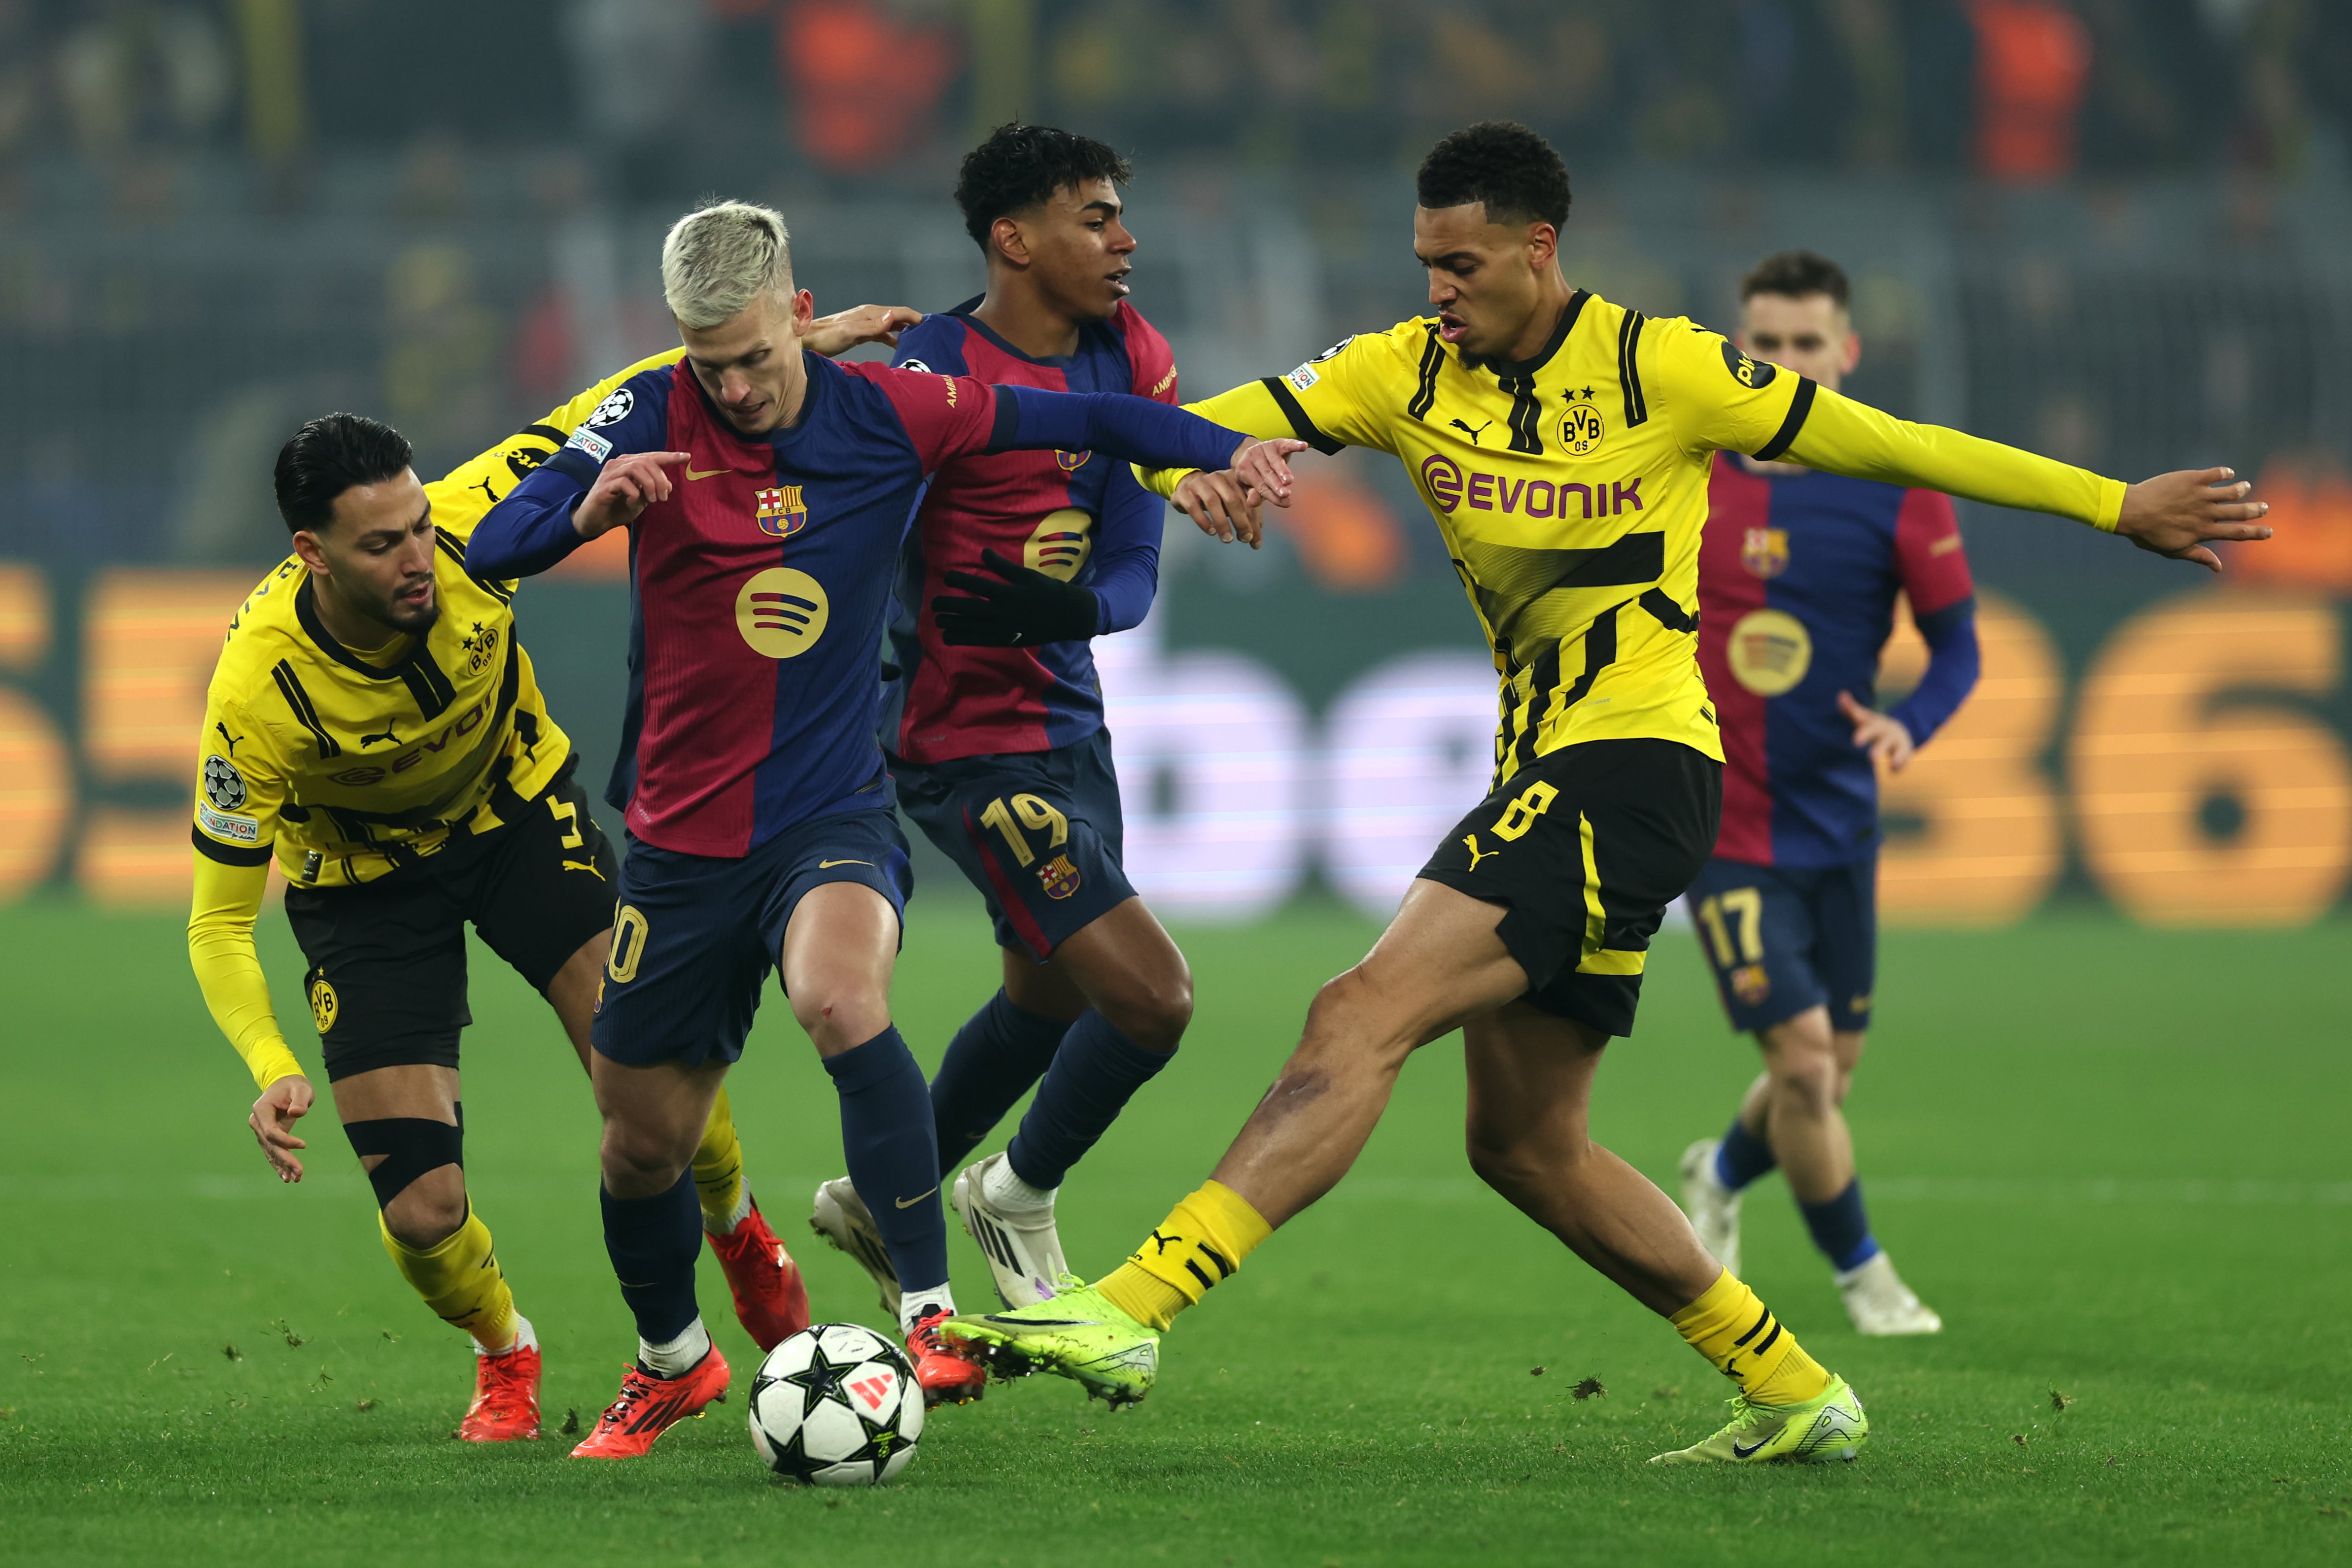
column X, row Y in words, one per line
column 1751, row 982
column 1072, row 462
column 782, row 511
column 1765, row 551
column 1058, row 877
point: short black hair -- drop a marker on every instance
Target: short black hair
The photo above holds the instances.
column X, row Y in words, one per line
column 1796, row 273
column 327, row 458
column 1501, row 163
column 1020, row 165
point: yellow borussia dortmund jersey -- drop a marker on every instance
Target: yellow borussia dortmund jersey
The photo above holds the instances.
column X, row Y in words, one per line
column 1572, row 489
column 350, row 762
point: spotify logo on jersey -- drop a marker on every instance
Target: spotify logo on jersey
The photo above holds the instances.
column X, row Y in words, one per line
column 1061, row 543
column 781, row 612
column 1770, row 652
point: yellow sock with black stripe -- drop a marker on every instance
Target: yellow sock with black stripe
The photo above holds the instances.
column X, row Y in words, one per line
column 460, row 1280
column 1730, row 1326
column 718, row 1182
column 1202, row 1240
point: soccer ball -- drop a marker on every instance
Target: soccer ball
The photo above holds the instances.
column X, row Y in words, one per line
column 837, row 1406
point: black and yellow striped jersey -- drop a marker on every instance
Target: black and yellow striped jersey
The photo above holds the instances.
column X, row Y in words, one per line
column 1572, row 489
column 349, row 762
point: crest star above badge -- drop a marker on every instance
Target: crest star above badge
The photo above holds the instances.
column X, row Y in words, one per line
column 782, row 511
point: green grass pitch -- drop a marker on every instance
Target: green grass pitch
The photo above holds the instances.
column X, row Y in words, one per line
column 2116, row 1160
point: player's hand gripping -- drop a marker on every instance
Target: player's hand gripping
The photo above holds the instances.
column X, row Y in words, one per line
column 843, row 330
column 286, row 1101
column 2177, row 515
column 623, row 490
column 1018, row 607
column 1880, row 734
column 1220, row 505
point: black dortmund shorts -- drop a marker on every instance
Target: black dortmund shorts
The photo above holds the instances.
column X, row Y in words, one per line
column 387, row 978
column 1586, row 847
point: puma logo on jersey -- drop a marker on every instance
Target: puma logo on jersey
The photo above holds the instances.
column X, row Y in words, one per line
column 584, row 865
column 387, row 737
column 1478, row 854
column 1473, row 434
column 232, row 739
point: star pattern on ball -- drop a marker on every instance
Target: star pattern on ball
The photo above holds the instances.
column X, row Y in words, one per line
column 821, row 1380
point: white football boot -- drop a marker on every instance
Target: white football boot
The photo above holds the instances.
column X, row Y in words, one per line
column 1880, row 1303
column 1713, row 1207
column 1023, row 1251
column 841, row 1216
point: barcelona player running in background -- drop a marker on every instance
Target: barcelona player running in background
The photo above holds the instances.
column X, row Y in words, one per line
column 1577, row 536
column 767, row 492
column 1016, row 561
column 1797, row 579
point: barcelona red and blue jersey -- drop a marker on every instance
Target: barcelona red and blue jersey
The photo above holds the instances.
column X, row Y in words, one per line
column 1077, row 515
column 1797, row 578
column 760, row 587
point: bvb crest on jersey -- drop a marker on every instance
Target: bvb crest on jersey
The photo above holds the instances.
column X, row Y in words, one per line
column 782, row 511
column 1765, row 551
column 1058, row 877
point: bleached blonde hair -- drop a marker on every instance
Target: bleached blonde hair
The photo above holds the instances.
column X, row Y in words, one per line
column 719, row 258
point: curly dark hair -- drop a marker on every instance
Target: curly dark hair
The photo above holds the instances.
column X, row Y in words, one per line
column 1796, row 273
column 1501, row 163
column 1020, row 165
column 330, row 455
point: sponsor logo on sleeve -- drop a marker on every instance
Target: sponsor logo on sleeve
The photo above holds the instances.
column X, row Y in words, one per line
column 1753, row 374
column 586, row 440
column 222, row 825
column 614, row 409
column 1305, row 376
column 223, row 785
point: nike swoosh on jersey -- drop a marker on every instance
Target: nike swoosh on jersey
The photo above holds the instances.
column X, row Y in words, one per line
column 692, row 473
column 909, row 1202
column 829, row 866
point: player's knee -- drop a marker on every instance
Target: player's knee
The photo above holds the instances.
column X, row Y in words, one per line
column 840, row 1018
column 428, row 1210
column 1810, row 1075
column 1154, row 1010
column 639, row 1157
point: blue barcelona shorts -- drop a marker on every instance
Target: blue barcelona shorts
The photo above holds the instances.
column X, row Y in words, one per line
column 695, row 936
column 1038, row 832
column 1781, row 939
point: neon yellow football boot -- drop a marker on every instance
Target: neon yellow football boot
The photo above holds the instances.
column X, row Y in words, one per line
column 1828, row 1427
column 1077, row 1333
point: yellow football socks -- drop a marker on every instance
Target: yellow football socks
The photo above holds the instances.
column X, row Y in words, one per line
column 461, row 1280
column 1736, row 1330
column 719, row 1170
column 1202, row 1240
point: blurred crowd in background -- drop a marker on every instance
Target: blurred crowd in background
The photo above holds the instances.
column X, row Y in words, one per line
column 663, row 91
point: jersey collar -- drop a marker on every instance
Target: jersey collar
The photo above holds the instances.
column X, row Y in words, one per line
column 972, row 323
column 1505, row 369
column 305, row 611
column 425, row 680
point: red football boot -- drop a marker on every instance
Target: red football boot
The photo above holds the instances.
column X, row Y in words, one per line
column 506, row 1397
column 647, row 1406
column 947, row 1377
column 771, row 1299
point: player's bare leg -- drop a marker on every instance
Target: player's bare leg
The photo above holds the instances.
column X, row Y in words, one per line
column 1439, row 965
column 1531, row 1085
column 405, row 1124
column 839, row 949
column 770, row 1298
column 1123, row 975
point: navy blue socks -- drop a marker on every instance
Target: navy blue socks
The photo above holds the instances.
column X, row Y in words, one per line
column 1742, row 1156
column 1841, row 1228
column 1000, row 1051
column 1094, row 1074
column 893, row 1154
column 653, row 1242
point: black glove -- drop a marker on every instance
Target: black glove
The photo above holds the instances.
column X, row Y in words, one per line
column 1017, row 608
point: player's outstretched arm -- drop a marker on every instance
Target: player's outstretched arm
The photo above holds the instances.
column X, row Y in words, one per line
column 837, row 334
column 1141, row 431
column 552, row 513
column 2179, row 515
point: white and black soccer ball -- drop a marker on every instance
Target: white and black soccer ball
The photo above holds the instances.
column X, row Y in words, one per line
column 836, row 1404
